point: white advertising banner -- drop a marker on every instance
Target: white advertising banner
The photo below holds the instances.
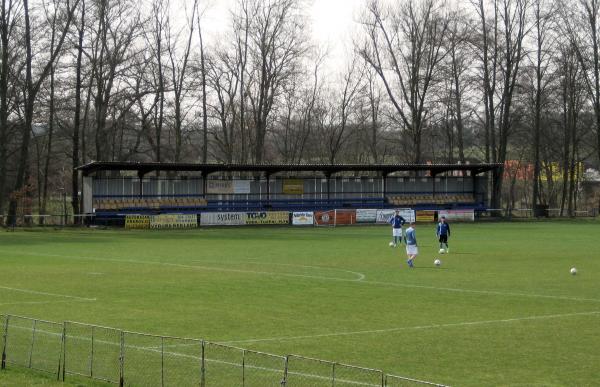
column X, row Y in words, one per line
column 241, row 186
column 458, row 215
column 366, row 216
column 384, row 216
column 223, row 219
column 302, row 218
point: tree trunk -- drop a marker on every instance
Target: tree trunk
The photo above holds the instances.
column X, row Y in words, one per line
column 4, row 69
column 77, row 122
column 204, row 109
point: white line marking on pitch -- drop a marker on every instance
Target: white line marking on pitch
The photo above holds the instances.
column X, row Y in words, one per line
column 45, row 302
column 29, row 291
column 369, row 282
column 360, row 276
column 419, row 327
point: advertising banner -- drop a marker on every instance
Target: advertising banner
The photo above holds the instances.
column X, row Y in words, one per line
column 384, row 216
column 137, row 221
column 458, row 215
column 174, row 221
column 302, row 218
column 345, row 217
column 335, row 217
column 324, row 218
column 366, row 216
column 268, row 217
column 241, row 186
column 293, row 186
column 223, row 218
column 219, row 186
column 426, row 216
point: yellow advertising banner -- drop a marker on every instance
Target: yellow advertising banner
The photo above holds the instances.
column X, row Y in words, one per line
column 426, row 216
column 293, row 186
column 268, row 217
column 174, row 221
column 137, row 221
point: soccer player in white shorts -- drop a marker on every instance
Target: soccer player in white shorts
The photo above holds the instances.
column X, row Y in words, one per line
column 411, row 245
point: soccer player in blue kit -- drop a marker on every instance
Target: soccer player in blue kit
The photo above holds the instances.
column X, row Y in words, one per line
column 397, row 221
column 443, row 233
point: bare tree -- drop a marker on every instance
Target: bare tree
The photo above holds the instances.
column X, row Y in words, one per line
column 501, row 53
column 179, row 67
column 405, row 45
column 276, row 45
column 32, row 87
column 7, row 48
column 580, row 19
column 541, row 60
column 77, row 119
column 118, row 24
column 223, row 79
column 51, row 115
column 342, row 108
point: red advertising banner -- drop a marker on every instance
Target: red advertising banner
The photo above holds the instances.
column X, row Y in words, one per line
column 335, row 217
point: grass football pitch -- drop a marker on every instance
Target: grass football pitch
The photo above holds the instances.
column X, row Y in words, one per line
column 502, row 310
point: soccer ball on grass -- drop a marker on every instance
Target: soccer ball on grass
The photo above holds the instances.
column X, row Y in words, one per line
column 437, row 262
column 442, row 251
column 391, row 244
column 573, row 271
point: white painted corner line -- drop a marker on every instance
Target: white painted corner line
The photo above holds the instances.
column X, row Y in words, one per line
column 418, row 327
column 29, row 291
column 45, row 302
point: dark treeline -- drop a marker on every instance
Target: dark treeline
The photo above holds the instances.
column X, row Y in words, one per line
column 515, row 82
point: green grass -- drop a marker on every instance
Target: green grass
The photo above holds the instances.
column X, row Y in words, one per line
column 502, row 310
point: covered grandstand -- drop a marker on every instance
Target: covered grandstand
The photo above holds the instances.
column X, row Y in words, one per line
column 119, row 188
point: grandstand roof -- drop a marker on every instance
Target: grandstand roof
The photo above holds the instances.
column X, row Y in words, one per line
column 143, row 168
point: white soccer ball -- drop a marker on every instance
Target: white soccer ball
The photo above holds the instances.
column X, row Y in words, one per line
column 391, row 244
column 573, row 271
column 437, row 262
column 442, row 251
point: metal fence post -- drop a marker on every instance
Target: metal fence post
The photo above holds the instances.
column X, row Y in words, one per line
column 243, row 367
column 92, row 355
column 162, row 361
column 383, row 381
column 202, row 367
column 64, row 352
column 333, row 375
column 285, row 370
column 4, row 339
column 32, row 343
column 122, row 360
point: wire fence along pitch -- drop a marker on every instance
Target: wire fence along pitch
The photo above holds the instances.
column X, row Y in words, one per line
column 223, row 365
column 138, row 359
column 306, row 372
column 31, row 343
column 263, row 369
column 92, row 351
column 348, row 376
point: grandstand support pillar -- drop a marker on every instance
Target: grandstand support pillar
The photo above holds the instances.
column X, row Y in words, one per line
column 328, row 177
column 433, row 176
column 204, row 175
column 268, row 190
column 474, row 185
column 141, row 177
column 384, row 191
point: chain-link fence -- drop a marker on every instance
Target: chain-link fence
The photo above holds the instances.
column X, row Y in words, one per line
column 137, row 359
